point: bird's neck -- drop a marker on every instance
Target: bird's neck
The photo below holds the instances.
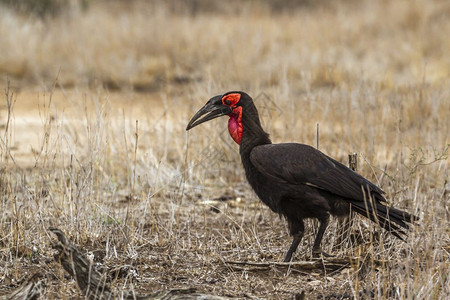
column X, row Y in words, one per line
column 245, row 128
column 252, row 133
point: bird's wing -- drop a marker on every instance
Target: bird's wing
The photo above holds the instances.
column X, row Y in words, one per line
column 302, row 164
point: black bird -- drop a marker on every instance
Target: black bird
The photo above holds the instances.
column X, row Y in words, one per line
column 296, row 180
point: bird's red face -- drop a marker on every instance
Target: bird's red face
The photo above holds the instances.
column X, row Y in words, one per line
column 235, row 127
column 227, row 104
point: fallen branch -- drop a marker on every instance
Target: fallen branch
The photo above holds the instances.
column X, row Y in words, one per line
column 329, row 264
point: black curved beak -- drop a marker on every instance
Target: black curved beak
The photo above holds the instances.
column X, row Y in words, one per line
column 212, row 109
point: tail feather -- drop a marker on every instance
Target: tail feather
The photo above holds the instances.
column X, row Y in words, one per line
column 383, row 222
column 391, row 219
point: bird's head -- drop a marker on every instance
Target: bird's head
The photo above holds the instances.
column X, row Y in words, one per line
column 229, row 104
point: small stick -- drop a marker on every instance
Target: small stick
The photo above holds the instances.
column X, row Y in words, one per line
column 353, row 161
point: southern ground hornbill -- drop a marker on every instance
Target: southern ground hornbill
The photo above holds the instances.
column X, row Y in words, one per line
column 296, row 180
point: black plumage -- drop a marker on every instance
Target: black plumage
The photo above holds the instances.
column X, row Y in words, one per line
column 296, row 180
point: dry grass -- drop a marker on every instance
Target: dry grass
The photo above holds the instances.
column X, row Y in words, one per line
column 94, row 143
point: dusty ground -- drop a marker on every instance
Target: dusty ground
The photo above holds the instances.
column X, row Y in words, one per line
column 94, row 143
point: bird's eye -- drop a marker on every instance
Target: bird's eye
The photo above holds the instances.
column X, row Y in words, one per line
column 231, row 99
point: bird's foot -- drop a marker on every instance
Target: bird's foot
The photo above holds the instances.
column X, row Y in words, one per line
column 287, row 259
column 316, row 253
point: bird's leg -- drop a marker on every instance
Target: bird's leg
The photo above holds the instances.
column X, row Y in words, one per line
column 297, row 230
column 297, row 238
column 317, row 250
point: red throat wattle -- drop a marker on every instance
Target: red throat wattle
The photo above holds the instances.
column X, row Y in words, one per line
column 235, row 124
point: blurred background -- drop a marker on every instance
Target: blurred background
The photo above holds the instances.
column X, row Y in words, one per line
column 308, row 62
column 147, row 45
